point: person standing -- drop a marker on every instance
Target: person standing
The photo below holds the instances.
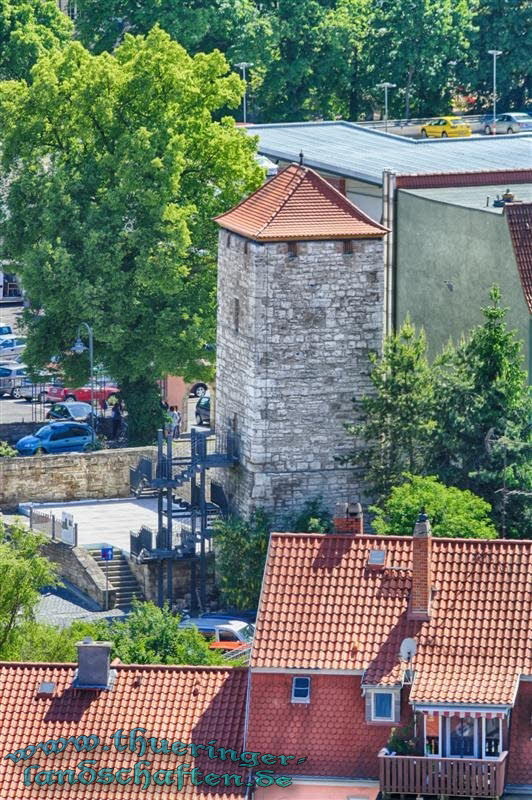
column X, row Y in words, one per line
column 176, row 422
column 117, row 420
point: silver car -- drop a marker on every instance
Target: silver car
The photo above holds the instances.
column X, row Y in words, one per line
column 11, row 346
column 509, row 123
column 11, row 379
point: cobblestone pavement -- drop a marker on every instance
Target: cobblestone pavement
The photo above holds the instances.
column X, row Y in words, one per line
column 62, row 605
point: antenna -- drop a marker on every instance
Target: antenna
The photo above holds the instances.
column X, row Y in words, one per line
column 408, row 649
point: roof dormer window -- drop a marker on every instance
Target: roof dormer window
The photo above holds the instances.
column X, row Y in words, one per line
column 301, row 690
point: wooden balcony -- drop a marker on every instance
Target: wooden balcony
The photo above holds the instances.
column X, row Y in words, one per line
column 459, row 777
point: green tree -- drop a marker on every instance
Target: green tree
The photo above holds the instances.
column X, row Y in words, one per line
column 313, row 517
column 503, row 25
column 152, row 635
column 123, row 166
column 24, row 571
column 149, row 635
column 397, row 418
column 241, row 554
column 37, row 641
column 412, row 44
column 452, row 512
column 28, row 29
column 483, row 408
column 343, row 83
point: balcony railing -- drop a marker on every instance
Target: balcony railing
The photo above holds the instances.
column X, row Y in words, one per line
column 461, row 777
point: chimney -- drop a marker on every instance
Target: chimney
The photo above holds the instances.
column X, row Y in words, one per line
column 420, row 597
column 348, row 518
column 94, row 667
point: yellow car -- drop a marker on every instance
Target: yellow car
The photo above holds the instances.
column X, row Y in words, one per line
column 445, row 126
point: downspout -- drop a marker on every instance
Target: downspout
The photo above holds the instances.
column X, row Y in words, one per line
column 388, row 200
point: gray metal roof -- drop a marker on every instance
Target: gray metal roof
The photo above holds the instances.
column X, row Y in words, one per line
column 475, row 196
column 344, row 148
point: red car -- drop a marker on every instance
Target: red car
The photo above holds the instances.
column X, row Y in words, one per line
column 59, row 392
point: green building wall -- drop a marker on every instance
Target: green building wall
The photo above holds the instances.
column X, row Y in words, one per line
column 447, row 258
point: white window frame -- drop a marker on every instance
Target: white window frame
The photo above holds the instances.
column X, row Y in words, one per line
column 301, row 699
column 483, row 740
column 374, row 717
column 475, row 737
column 440, row 739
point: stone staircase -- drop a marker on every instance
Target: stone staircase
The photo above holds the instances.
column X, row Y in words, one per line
column 120, row 577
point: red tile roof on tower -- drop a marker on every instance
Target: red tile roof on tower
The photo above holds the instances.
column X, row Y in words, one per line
column 299, row 204
column 322, row 608
column 519, row 216
column 189, row 704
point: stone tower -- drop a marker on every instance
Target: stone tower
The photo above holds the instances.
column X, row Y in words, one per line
column 300, row 307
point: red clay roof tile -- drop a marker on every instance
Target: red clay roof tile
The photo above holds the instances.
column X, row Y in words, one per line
column 342, row 616
column 190, row 704
column 519, row 216
column 299, row 204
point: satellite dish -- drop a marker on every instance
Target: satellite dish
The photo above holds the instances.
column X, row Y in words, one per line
column 408, row 649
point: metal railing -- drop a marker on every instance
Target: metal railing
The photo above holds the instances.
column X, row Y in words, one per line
column 54, row 528
column 431, row 775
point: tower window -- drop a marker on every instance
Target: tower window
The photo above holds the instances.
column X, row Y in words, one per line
column 348, row 247
column 236, row 314
column 245, row 248
column 292, row 249
column 228, row 240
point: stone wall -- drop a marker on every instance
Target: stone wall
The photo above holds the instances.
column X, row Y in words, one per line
column 287, row 376
column 147, row 576
column 75, row 564
column 69, row 476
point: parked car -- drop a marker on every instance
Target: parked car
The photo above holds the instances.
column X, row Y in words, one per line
column 79, row 412
column 7, row 360
column 203, row 411
column 243, row 616
column 445, row 127
column 11, row 346
column 37, row 390
column 107, row 392
column 11, row 378
column 59, row 437
column 513, row 122
column 5, row 330
column 226, row 634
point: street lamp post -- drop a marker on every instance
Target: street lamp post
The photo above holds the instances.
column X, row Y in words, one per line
column 244, row 65
column 386, row 85
column 495, row 53
column 79, row 348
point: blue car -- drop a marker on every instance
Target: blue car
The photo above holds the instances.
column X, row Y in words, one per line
column 59, row 437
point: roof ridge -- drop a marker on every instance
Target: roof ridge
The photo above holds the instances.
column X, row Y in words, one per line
column 297, row 179
column 396, row 537
column 146, row 667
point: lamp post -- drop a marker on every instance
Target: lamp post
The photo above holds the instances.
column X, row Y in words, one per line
column 495, row 53
column 386, row 85
column 78, row 347
column 244, row 65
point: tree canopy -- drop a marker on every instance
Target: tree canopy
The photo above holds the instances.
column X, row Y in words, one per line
column 464, row 419
column 452, row 512
column 28, row 29
column 24, row 572
column 149, row 635
column 325, row 57
column 116, row 167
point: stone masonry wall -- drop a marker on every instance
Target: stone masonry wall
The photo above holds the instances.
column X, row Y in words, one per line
column 76, row 565
column 287, row 376
column 69, row 476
